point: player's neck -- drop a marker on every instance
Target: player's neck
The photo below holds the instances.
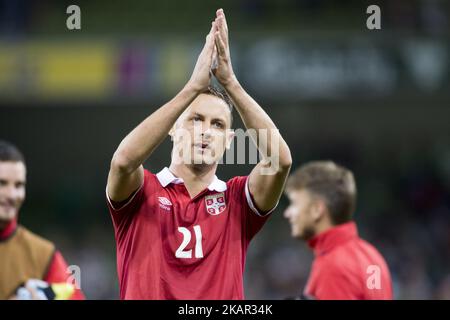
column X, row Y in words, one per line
column 7, row 228
column 196, row 178
column 323, row 226
column 191, row 173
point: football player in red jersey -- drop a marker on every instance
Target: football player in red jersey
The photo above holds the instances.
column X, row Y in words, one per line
column 323, row 197
column 183, row 233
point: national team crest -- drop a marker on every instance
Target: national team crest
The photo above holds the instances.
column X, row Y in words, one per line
column 215, row 204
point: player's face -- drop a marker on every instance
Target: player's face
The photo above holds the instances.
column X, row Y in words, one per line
column 299, row 214
column 204, row 130
column 12, row 189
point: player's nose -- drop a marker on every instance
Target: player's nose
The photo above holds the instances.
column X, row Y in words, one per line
column 206, row 131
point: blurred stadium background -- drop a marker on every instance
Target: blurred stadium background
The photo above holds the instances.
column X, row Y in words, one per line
column 375, row 101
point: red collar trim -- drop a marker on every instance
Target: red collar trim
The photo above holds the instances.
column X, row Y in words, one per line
column 331, row 238
column 8, row 230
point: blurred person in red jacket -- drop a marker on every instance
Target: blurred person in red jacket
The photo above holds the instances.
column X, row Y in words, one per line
column 322, row 198
column 30, row 266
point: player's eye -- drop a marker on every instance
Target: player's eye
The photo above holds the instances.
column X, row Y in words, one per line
column 3, row 183
column 196, row 118
column 20, row 185
column 218, row 124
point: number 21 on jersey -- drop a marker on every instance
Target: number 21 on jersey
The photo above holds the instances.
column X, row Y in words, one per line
column 187, row 254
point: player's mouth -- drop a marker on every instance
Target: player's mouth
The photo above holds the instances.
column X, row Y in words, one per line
column 202, row 146
column 5, row 206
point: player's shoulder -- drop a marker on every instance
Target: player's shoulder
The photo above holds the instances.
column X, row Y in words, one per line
column 349, row 256
column 338, row 260
column 332, row 266
column 236, row 181
column 371, row 250
column 29, row 238
column 367, row 245
column 149, row 173
column 151, row 178
column 236, row 185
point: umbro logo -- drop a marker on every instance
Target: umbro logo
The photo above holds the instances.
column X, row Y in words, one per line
column 164, row 203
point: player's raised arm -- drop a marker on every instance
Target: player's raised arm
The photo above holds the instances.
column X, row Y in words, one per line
column 126, row 173
column 266, row 186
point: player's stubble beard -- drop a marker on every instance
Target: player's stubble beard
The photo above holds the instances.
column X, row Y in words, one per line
column 307, row 233
column 307, row 229
column 207, row 163
column 209, row 157
column 5, row 219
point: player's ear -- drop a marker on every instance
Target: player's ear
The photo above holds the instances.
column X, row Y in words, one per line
column 173, row 129
column 319, row 209
column 177, row 124
column 230, row 136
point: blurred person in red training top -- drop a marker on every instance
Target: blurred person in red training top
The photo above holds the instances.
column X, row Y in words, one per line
column 322, row 200
column 183, row 233
column 28, row 263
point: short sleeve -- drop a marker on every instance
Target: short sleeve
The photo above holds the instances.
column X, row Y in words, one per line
column 253, row 219
column 123, row 212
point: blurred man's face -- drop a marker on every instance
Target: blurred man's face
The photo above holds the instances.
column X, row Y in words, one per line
column 12, row 189
column 203, row 130
column 300, row 214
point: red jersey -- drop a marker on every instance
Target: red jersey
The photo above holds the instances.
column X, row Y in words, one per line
column 170, row 246
column 347, row 267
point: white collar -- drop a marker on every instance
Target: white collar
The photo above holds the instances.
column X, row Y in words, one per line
column 166, row 177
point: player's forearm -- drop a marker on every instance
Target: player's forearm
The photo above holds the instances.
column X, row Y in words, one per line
column 140, row 143
column 254, row 117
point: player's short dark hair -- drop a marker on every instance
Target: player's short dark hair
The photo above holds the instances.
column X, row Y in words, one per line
column 221, row 94
column 9, row 152
column 334, row 183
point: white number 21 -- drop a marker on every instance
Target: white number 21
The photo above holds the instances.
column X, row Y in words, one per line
column 180, row 253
